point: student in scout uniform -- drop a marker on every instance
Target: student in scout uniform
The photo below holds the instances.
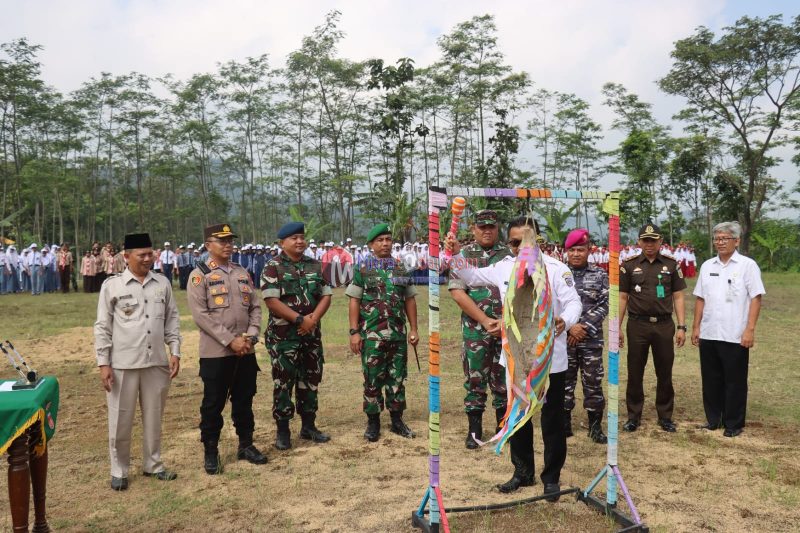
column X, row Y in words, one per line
column 136, row 317
column 381, row 298
column 651, row 288
column 224, row 306
column 297, row 296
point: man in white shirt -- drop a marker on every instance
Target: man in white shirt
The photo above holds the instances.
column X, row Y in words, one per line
column 567, row 310
column 728, row 291
column 37, row 270
column 168, row 261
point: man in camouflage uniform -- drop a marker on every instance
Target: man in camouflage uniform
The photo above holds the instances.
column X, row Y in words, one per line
column 585, row 339
column 297, row 297
column 381, row 297
column 481, row 310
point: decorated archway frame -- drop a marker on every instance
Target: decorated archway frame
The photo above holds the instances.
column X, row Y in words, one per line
column 438, row 200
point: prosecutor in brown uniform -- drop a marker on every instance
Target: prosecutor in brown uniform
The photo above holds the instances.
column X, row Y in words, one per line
column 227, row 313
column 651, row 287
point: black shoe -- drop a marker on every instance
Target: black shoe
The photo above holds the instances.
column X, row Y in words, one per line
column 732, row 432
column 309, row 430
column 550, row 488
column 709, row 426
column 211, row 463
column 476, row 427
column 119, row 483
column 252, row 455
column 164, row 475
column 667, row 425
column 283, row 440
column 630, row 426
column 568, row 424
column 515, row 483
column 399, row 427
column 373, row 432
column 596, row 427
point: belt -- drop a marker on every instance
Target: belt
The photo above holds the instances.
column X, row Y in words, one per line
column 650, row 318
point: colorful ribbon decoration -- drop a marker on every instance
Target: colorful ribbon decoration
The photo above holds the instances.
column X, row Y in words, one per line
column 526, row 397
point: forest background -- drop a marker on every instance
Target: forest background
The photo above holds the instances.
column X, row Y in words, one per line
column 343, row 142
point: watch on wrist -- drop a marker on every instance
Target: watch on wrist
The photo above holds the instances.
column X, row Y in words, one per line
column 683, row 328
column 298, row 320
column 354, row 331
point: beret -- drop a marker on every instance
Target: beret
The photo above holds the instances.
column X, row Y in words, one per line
column 378, row 230
column 292, row 228
column 576, row 237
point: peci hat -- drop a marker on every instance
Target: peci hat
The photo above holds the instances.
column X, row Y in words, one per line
column 137, row 240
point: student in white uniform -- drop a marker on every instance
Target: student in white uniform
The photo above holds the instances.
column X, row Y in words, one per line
column 567, row 309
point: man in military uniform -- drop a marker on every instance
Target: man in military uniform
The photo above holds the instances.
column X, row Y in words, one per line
column 585, row 339
column 136, row 317
column 481, row 310
column 223, row 303
column 651, row 287
column 297, row 297
column 381, row 298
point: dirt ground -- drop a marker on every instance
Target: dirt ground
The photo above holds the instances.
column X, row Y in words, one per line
column 689, row 481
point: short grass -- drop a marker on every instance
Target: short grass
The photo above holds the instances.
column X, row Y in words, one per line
column 349, row 494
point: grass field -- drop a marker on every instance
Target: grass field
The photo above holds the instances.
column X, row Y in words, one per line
column 689, row 481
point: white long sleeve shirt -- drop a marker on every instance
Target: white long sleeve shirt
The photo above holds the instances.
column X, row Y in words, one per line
column 567, row 303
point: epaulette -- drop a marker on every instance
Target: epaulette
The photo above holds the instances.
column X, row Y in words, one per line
column 632, row 257
column 112, row 276
column 203, row 267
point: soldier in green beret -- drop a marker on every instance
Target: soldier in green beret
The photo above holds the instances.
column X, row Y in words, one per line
column 297, row 297
column 382, row 296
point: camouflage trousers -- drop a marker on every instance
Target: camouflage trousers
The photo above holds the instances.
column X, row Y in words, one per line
column 481, row 362
column 590, row 362
column 296, row 367
column 385, row 367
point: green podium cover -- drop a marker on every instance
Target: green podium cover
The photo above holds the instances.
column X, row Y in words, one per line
column 21, row 409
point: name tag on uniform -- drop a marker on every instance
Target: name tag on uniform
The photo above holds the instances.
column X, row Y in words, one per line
column 714, row 274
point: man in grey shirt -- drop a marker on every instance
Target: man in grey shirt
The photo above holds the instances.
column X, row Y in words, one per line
column 136, row 317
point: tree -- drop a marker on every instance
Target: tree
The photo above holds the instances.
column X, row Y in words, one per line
column 748, row 80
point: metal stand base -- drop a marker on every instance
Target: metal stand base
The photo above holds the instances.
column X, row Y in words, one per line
column 611, row 510
column 23, row 385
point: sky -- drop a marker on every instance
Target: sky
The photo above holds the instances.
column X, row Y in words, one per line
column 567, row 45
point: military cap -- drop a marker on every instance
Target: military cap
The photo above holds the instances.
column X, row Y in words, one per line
column 137, row 240
column 220, row 231
column 576, row 237
column 378, row 230
column 292, row 228
column 486, row 217
column 650, row 231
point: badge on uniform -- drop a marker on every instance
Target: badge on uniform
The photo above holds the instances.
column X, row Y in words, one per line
column 568, row 278
column 219, row 300
column 622, row 269
column 216, row 276
column 659, row 291
column 196, row 279
column 638, row 288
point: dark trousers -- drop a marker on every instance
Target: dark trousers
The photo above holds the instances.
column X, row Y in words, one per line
column 555, row 442
column 223, row 376
column 642, row 336
column 64, row 275
column 723, row 367
column 167, row 271
column 184, row 272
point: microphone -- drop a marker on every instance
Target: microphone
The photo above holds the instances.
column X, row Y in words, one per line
column 459, row 203
column 31, row 377
column 13, row 363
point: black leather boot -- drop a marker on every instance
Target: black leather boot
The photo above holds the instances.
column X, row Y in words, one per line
column 283, row 441
column 211, row 462
column 309, row 429
column 568, row 423
column 373, row 432
column 596, row 427
column 250, row 453
column 399, row 427
column 522, row 459
column 476, row 427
